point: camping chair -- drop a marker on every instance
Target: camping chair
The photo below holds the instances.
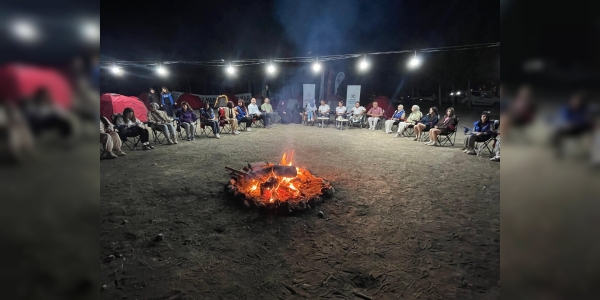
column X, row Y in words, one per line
column 480, row 147
column 180, row 129
column 258, row 122
column 225, row 125
column 159, row 136
column 381, row 121
column 449, row 137
column 135, row 140
column 206, row 129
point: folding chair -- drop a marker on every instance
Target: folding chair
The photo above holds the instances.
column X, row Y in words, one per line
column 449, row 137
column 381, row 121
column 131, row 144
column 480, row 147
column 410, row 130
column 180, row 129
column 225, row 125
column 205, row 127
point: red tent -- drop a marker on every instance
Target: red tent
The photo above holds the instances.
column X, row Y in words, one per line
column 144, row 98
column 194, row 101
column 385, row 103
column 114, row 103
column 19, row 81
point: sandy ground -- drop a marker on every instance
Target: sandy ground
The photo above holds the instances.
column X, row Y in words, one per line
column 408, row 221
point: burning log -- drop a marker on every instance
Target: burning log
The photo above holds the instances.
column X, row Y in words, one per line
column 281, row 188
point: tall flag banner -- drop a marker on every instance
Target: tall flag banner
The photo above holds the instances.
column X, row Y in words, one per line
column 308, row 94
column 353, row 96
column 338, row 80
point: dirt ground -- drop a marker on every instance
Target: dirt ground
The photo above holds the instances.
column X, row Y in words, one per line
column 408, row 221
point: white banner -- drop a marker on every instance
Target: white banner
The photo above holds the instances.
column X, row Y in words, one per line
column 308, row 94
column 245, row 96
column 212, row 98
column 353, row 96
column 338, row 80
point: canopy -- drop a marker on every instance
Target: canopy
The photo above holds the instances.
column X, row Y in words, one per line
column 115, row 104
column 18, row 82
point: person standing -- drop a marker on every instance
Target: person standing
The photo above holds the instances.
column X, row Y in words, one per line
column 268, row 111
column 266, row 93
column 152, row 97
column 374, row 114
column 167, row 101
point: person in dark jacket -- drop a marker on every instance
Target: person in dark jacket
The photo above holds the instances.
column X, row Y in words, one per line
column 482, row 131
column 152, row 97
column 242, row 115
column 428, row 121
column 187, row 119
column 573, row 121
column 167, row 101
column 283, row 112
column 208, row 118
column 297, row 114
column 444, row 126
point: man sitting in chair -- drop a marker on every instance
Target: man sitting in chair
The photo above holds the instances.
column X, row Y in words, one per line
column 374, row 114
column 356, row 113
column 253, row 110
column 323, row 111
column 268, row 111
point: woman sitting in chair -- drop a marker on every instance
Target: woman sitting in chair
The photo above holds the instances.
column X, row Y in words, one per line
column 413, row 119
column 443, row 127
column 428, row 121
column 130, row 126
column 187, row 119
column 159, row 120
column 310, row 112
column 242, row 115
column 397, row 117
column 209, row 118
column 482, row 131
column 109, row 139
column 231, row 117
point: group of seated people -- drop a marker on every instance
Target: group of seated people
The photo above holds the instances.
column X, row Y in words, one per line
column 127, row 125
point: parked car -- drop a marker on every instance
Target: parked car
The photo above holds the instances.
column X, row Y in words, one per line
column 481, row 98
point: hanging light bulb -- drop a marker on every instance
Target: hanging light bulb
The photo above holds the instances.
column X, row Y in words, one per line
column 230, row 69
column 414, row 62
column 116, row 70
column 271, row 68
column 316, row 66
column 162, row 71
column 363, row 65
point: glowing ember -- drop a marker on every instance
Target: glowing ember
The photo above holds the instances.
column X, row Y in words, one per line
column 264, row 184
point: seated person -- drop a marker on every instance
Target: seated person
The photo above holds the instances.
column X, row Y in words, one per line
column 268, row 112
column 207, row 117
column 356, row 113
column 574, row 120
column 230, row 116
column 428, row 121
column 187, row 119
column 297, row 113
column 310, row 112
column 374, row 114
column 15, row 133
column 443, row 127
column 323, row 111
column 242, row 115
column 340, row 111
column 397, row 117
column 253, row 110
column 412, row 120
column 284, row 114
column 130, row 126
column 110, row 139
column 482, row 131
column 159, row 120
column 496, row 151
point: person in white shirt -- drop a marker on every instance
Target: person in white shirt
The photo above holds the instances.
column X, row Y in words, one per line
column 340, row 111
column 253, row 110
column 324, row 110
column 357, row 112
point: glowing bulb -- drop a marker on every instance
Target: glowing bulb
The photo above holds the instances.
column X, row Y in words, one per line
column 363, row 65
column 25, row 31
column 414, row 62
column 458, row 93
column 230, row 70
column 451, row 94
column 116, row 70
column 161, row 71
column 316, row 67
column 271, row 69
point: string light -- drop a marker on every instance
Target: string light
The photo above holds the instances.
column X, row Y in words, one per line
column 316, row 66
column 161, row 71
column 414, row 62
column 363, row 65
column 271, row 68
column 116, row 70
column 230, row 69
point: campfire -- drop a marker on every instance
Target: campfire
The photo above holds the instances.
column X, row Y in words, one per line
column 282, row 187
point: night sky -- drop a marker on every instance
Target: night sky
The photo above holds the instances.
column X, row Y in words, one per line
column 209, row 30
